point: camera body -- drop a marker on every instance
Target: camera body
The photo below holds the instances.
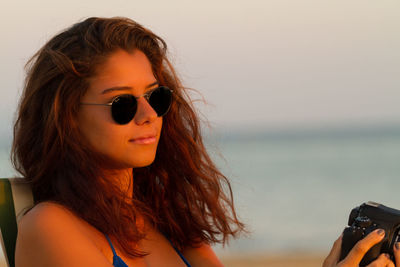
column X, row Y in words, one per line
column 365, row 219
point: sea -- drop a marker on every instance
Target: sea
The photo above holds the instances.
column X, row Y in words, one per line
column 294, row 189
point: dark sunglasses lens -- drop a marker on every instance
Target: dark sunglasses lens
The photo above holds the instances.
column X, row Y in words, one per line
column 124, row 108
column 160, row 100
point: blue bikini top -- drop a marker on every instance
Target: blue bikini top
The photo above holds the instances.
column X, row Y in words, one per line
column 118, row 262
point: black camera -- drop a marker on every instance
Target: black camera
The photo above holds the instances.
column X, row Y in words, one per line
column 365, row 219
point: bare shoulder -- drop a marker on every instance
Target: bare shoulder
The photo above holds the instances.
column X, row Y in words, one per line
column 203, row 255
column 45, row 213
column 51, row 235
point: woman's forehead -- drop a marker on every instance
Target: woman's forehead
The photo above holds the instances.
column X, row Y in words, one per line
column 123, row 69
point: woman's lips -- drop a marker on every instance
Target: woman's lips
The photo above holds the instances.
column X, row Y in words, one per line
column 144, row 141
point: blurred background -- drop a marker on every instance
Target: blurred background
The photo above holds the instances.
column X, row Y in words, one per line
column 302, row 103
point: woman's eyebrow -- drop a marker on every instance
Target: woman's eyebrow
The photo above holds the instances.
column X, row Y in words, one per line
column 120, row 88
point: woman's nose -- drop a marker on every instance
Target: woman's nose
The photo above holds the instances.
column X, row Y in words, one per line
column 144, row 113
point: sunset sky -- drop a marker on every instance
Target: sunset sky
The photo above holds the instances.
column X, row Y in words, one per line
column 259, row 64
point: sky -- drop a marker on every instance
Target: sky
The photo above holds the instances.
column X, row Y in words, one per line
column 258, row 64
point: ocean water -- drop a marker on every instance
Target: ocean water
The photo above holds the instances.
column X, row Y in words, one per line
column 294, row 190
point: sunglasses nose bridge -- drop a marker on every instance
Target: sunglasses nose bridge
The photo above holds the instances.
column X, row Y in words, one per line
column 145, row 96
column 144, row 109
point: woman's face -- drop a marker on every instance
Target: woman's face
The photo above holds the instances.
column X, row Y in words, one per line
column 128, row 145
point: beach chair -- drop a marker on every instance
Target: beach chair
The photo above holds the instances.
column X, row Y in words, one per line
column 15, row 198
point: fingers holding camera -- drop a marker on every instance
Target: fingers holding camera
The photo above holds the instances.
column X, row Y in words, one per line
column 355, row 256
column 357, row 253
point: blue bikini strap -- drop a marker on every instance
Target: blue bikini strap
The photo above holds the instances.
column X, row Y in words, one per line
column 179, row 253
column 111, row 245
column 117, row 261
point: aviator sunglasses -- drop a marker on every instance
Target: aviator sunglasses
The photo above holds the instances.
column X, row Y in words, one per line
column 124, row 107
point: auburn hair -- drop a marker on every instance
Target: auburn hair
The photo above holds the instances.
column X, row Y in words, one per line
column 182, row 193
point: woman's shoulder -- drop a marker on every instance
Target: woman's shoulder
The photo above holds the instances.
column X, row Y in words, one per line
column 45, row 208
column 52, row 218
column 52, row 233
column 48, row 215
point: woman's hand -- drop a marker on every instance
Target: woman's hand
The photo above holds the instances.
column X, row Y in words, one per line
column 355, row 256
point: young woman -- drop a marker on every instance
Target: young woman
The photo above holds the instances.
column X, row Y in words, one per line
column 110, row 144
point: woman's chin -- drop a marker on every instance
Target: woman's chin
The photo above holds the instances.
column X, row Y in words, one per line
column 141, row 163
column 129, row 164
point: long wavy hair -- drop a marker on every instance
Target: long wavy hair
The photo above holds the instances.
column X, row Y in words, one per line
column 182, row 193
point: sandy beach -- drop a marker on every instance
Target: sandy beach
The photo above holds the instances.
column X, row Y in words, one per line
column 274, row 260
